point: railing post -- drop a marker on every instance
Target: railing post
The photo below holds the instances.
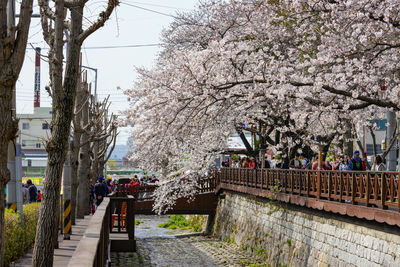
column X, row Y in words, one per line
column 308, row 183
column 291, row 180
column 130, row 222
column 398, row 192
column 262, row 178
column 256, row 171
column 341, row 187
column 318, row 184
column 368, row 194
column 383, row 191
column 353, row 188
column 329, row 184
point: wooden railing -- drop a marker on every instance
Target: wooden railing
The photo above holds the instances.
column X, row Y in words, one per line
column 145, row 192
column 93, row 248
column 95, row 245
column 368, row 188
column 365, row 195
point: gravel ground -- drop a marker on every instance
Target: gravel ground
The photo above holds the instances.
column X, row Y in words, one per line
column 159, row 247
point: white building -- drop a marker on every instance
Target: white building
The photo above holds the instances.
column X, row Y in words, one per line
column 34, row 130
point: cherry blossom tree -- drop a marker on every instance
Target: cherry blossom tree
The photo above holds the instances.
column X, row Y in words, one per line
column 292, row 69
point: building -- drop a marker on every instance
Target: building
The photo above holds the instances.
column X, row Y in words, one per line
column 34, row 129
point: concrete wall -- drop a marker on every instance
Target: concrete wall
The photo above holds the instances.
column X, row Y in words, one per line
column 293, row 236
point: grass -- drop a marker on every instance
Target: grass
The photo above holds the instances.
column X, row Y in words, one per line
column 137, row 222
column 175, row 222
column 179, row 221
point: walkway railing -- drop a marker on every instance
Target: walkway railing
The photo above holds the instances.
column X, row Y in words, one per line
column 362, row 189
column 95, row 246
column 145, row 192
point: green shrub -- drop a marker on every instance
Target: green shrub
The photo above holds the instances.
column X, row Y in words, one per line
column 17, row 240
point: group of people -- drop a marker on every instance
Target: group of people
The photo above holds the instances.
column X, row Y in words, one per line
column 30, row 193
column 332, row 162
column 103, row 187
column 342, row 163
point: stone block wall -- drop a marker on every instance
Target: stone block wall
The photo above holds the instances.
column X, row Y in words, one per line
column 280, row 235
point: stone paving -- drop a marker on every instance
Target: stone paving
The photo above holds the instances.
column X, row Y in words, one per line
column 188, row 251
column 182, row 249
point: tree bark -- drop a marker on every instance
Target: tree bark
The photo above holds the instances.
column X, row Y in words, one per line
column 84, row 168
column 12, row 52
column 348, row 143
column 63, row 103
column 76, row 144
column 8, row 129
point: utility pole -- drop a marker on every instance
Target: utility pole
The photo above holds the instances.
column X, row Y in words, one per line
column 18, row 176
column 391, row 156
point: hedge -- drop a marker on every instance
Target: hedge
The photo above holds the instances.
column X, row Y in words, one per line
column 19, row 240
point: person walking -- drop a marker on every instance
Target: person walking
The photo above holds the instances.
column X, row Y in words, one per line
column 100, row 190
column 357, row 162
column 25, row 194
column 33, row 195
column 378, row 165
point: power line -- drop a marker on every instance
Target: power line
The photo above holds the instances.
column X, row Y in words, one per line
column 171, row 7
column 150, row 10
column 111, row 46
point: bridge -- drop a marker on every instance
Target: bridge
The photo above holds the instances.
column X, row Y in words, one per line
column 365, row 195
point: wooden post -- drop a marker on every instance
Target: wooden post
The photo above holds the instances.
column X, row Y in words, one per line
column 262, row 179
column 320, row 159
column 291, row 180
column 341, row 187
column 353, row 188
column 383, row 191
column 318, row 184
column 368, row 194
column 329, row 184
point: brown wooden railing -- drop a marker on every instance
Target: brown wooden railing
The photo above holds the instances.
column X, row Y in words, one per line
column 145, row 192
column 95, row 245
column 369, row 189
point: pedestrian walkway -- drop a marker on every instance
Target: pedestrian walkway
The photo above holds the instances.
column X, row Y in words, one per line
column 63, row 254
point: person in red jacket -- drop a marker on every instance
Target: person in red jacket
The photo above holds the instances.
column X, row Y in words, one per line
column 39, row 196
column 251, row 164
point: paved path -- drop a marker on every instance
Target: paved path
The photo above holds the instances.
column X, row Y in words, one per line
column 161, row 247
column 63, row 254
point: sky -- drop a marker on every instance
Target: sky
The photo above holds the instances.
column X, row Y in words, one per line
column 130, row 25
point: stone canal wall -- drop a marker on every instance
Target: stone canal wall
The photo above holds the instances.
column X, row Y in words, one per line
column 294, row 236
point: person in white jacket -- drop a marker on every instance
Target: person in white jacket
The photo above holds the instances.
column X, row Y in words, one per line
column 378, row 165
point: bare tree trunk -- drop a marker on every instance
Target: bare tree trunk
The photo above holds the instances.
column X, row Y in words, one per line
column 84, row 168
column 101, row 167
column 7, row 132
column 63, row 93
column 12, row 52
column 373, row 141
column 348, row 142
column 76, row 144
column 57, row 146
column 74, row 180
column 95, row 163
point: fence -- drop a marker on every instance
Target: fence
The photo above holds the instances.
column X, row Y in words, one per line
column 371, row 195
column 145, row 192
column 95, row 246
